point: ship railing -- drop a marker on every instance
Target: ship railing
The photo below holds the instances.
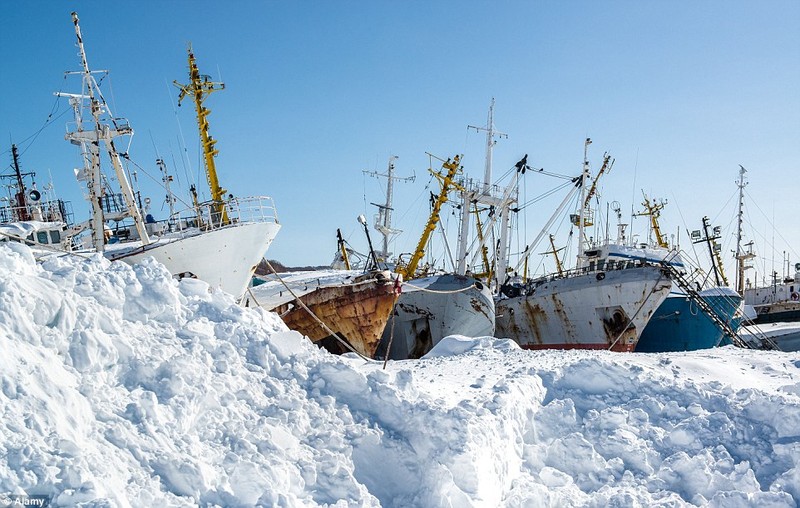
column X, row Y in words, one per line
column 210, row 215
column 48, row 211
column 252, row 209
column 593, row 267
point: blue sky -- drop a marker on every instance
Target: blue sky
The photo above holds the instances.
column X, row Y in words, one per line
column 680, row 93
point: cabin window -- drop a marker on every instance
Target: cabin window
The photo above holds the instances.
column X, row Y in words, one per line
column 41, row 237
column 55, row 237
column 29, row 239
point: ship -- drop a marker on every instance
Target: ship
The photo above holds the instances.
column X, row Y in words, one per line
column 432, row 308
column 28, row 216
column 340, row 310
column 219, row 241
column 599, row 304
column 778, row 302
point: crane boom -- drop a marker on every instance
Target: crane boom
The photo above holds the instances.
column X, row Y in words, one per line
column 447, row 182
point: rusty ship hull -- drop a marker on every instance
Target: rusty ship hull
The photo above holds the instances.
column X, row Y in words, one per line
column 591, row 310
column 354, row 307
column 432, row 308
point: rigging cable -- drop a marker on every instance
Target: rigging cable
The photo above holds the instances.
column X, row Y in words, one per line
column 48, row 121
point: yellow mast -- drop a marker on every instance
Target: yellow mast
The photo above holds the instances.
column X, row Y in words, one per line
column 447, row 183
column 199, row 88
column 653, row 210
column 487, row 268
column 525, row 268
column 343, row 249
column 554, row 252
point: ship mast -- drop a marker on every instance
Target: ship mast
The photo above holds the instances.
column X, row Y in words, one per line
column 584, row 213
column 89, row 142
column 741, row 256
column 383, row 221
column 490, row 142
column 554, row 252
column 653, row 210
column 199, row 88
column 167, row 179
column 714, row 249
column 21, row 205
column 485, row 196
column 447, row 182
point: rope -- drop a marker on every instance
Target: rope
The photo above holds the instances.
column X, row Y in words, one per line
column 437, row 291
column 389, row 346
column 253, row 296
column 310, row 313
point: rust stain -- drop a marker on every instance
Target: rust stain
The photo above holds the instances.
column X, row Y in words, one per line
column 356, row 312
column 534, row 314
column 619, row 325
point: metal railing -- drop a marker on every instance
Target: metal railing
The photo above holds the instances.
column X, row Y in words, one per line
column 55, row 210
column 208, row 215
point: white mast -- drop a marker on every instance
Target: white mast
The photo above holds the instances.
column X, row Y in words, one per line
column 741, row 256
column 89, row 141
column 468, row 195
column 167, row 179
column 466, row 200
column 490, row 142
column 582, row 212
column 383, row 221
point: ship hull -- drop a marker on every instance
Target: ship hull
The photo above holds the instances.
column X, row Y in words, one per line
column 785, row 336
column 356, row 312
column 225, row 258
column 596, row 310
column 432, row 308
column 779, row 312
column 679, row 325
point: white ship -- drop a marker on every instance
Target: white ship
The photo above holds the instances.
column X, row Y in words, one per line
column 584, row 309
column 432, row 308
column 220, row 241
column 594, row 306
column 28, row 216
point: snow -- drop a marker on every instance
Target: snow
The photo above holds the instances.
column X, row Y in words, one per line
column 120, row 386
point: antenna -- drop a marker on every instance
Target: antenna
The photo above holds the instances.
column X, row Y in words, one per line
column 490, row 142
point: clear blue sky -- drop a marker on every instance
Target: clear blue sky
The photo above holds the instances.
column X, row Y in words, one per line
column 680, row 93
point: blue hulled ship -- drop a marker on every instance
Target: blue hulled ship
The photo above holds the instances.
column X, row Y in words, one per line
column 679, row 325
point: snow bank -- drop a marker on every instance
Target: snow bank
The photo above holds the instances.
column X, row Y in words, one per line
column 123, row 387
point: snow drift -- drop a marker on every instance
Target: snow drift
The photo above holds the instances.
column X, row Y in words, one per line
column 123, row 387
